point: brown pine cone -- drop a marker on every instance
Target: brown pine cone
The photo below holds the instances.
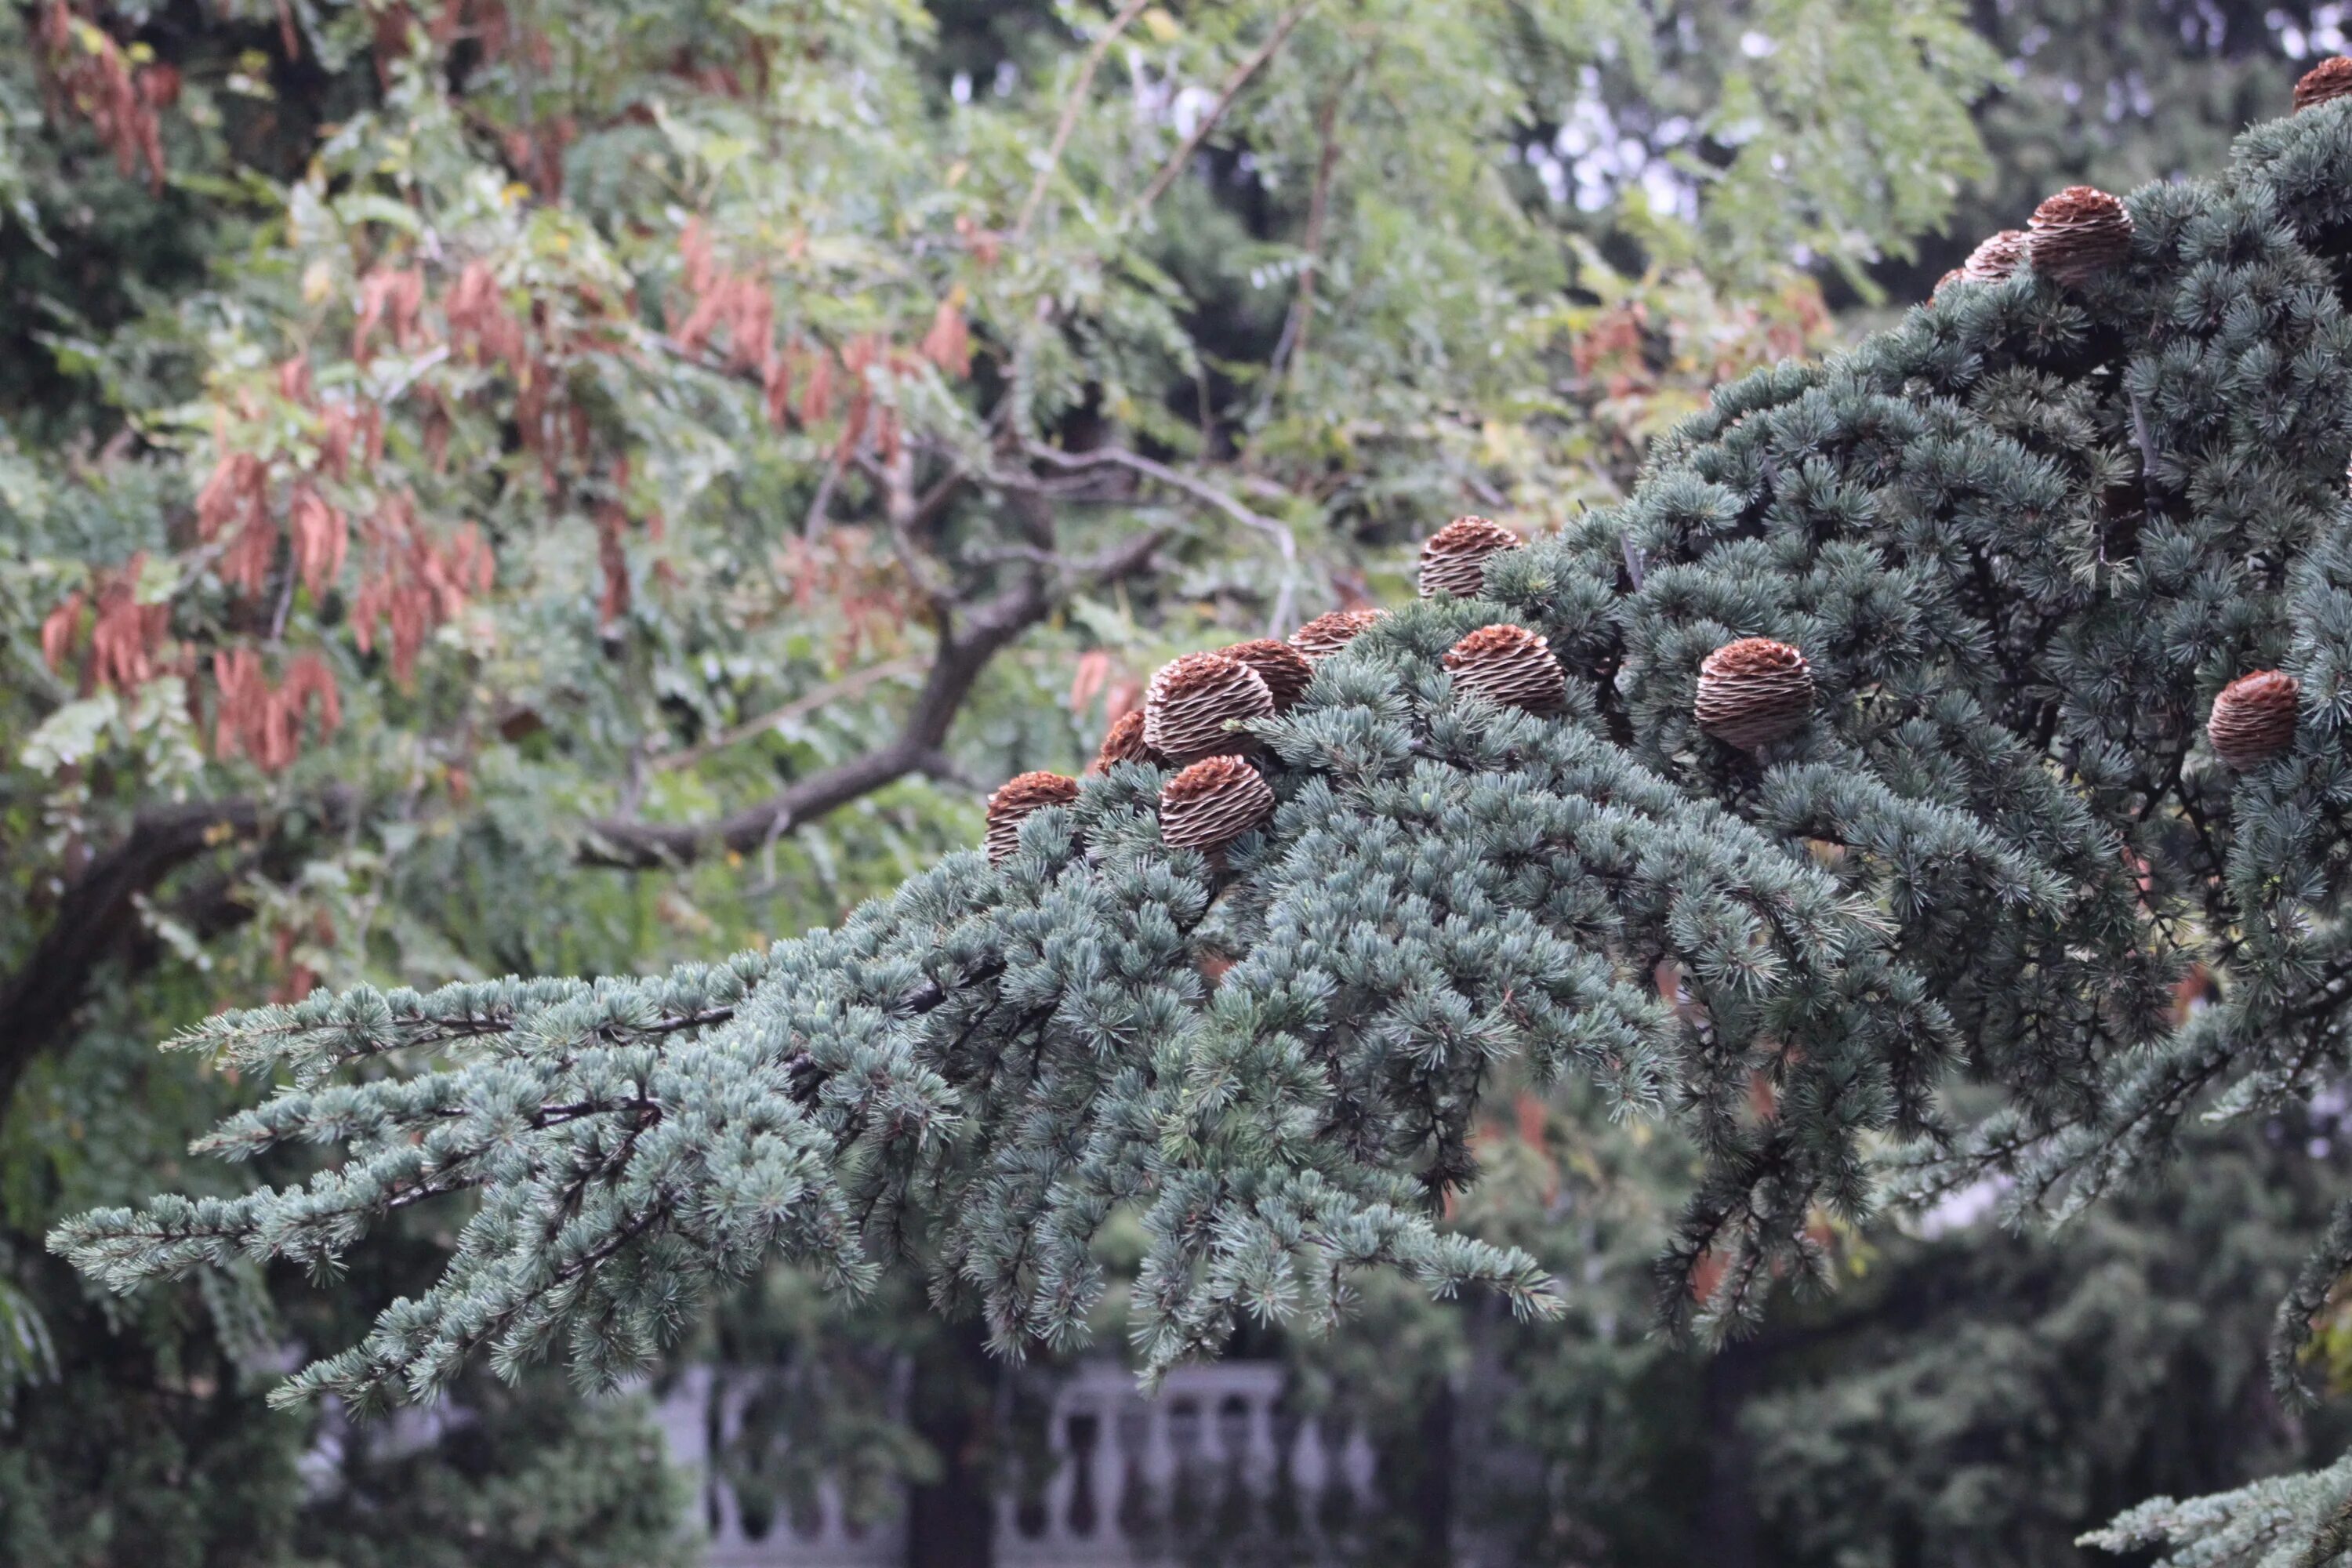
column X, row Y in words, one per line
column 1510, row 666
column 1212, row 803
column 1283, row 668
column 1123, row 744
column 1947, row 281
column 1453, row 559
column 1324, row 636
column 2253, row 718
column 1996, row 257
column 2078, row 234
column 2323, row 83
column 1189, row 701
column 1011, row 805
column 1753, row 691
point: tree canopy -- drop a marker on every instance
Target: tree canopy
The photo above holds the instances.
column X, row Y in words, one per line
column 2027, row 548
column 432, row 554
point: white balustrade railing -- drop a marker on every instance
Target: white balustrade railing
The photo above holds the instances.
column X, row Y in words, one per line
column 1128, row 1480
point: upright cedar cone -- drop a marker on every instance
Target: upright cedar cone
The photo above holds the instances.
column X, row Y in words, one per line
column 1324, row 636
column 1212, row 803
column 2253, row 718
column 2323, row 83
column 1283, row 668
column 1510, row 666
column 1955, row 275
column 1996, row 257
column 2078, row 234
column 1011, row 805
column 1189, row 701
column 1753, row 691
column 1123, row 744
column 1453, row 559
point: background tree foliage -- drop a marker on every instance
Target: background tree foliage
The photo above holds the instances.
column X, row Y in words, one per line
column 563, row 486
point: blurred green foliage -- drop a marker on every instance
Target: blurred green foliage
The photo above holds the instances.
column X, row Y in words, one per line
column 646, row 547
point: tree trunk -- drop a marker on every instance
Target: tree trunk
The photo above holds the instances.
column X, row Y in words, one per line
column 1726, row 1529
column 951, row 1522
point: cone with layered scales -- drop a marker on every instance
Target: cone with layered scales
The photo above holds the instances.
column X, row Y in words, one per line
column 1996, row 257
column 1191, row 701
column 2324, row 83
column 2078, row 234
column 1324, row 636
column 1212, row 803
column 1283, row 668
column 1124, row 743
column 2253, row 718
column 1011, row 805
column 1510, row 666
column 1453, row 559
column 1753, row 692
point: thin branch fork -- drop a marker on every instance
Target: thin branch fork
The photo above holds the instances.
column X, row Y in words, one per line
column 1301, row 323
column 1071, row 108
column 1182, row 159
column 1206, row 494
column 848, row 686
column 962, row 651
column 96, row 916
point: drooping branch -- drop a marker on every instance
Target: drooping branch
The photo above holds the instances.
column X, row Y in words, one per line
column 1199, row 490
column 967, row 640
column 97, row 920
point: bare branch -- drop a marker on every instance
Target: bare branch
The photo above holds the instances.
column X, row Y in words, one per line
column 904, row 513
column 1208, row 495
column 814, row 525
column 96, row 917
column 849, row 685
column 1301, row 323
column 962, row 653
column 1071, row 108
column 1183, row 157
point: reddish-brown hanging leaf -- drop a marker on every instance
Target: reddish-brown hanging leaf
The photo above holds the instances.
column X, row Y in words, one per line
column 816, row 398
column 237, row 678
column 306, row 677
column 159, row 85
column 337, row 427
column 88, row 70
column 695, row 332
column 235, row 490
column 985, row 245
column 388, row 25
column 949, row 342
column 59, row 629
column 322, row 536
column 613, row 561
column 388, row 298
column 246, row 563
column 751, row 325
column 294, row 380
column 694, row 249
column 1087, row 682
column 477, row 316
column 776, row 388
column 125, row 635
